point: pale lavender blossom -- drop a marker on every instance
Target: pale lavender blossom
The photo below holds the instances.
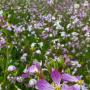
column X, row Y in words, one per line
column 50, row 2
column 11, row 68
column 25, row 75
column 17, row 29
column 35, row 68
column 2, row 42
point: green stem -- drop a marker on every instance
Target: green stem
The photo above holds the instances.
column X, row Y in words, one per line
column 5, row 66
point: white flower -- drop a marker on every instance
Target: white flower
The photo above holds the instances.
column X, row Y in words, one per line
column 84, row 87
column 76, row 6
column 19, row 79
column 85, row 28
column 74, row 38
column 50, row 35
column 63, row 34
column 25, row 55
column 32, row 82
column 33, row 45
column 30, row 28
column 23, row 59
column 47, row 29
column 69, row 25
column 38, row 52
column 33, row 32
column 53, row 18
column 11, row 78
column 41, row 44
column 1, row 12
column 87, row 34
column 76, row 20
column 57, row 24
column 55, row 40
column 25, row 70
column 86, row 3
column 11, row 68
column 74, row 33
column 75, row 63
column 2, row 41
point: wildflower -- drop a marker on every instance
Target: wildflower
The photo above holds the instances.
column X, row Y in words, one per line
column 18, row 29
column 11, row 78
column 57, row 25
column 23, row 57
column 35, row 68
column 33, row 45
column 57, row 78
column 38, row 52
column 2, row 42
column 86, row 3
column 19, row 79
column 11, row 68
column 25, row 75
column 76, row 6
column 50, row 2
column 41, row 44
column 38, row 25
column 63, row 34
column 44, row 36
column 1, row 12
column 30, row 28
column 32, row 82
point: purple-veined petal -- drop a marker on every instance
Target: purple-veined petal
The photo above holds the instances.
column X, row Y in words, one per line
column 56, row 77
column 68, row 77
column 44, row 85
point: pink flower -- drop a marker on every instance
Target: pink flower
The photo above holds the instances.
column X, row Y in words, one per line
column 57, row 77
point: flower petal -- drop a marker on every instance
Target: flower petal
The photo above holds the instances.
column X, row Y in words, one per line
column 65, row 87
column 56, row 77
column 76, row 87
column 44, row 85
column 68, row 77
column 25, row 75
column 32, row 69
